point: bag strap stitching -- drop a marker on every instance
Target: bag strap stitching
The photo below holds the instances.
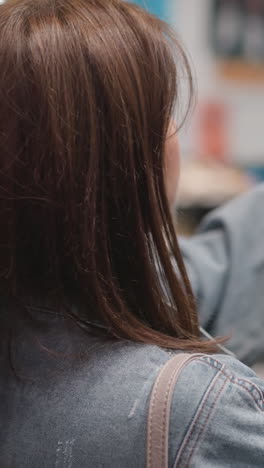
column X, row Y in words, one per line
column 161, row 396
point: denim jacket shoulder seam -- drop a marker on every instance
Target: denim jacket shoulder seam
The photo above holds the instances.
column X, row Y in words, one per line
column 201, row 410
column 187, row 449
column 219, row 393
column 255, row 393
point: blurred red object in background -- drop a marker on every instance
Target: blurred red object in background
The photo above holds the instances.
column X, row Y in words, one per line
column 213, row 131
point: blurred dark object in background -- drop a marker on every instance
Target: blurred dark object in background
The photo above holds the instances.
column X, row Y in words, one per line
column 205, row 185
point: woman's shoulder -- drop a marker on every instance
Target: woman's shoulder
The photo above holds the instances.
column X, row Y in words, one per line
column 218, row 411
column 145, row 361
column 217, row 406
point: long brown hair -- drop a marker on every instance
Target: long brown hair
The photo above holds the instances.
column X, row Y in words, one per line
column 87, row 91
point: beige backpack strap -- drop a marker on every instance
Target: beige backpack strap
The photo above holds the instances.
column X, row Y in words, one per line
column 159, row 410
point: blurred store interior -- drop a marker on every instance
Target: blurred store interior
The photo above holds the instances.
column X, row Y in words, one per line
column 222, row 142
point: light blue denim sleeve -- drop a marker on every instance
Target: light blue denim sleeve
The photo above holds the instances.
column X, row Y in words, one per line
column 225, row 262
column 228, row 426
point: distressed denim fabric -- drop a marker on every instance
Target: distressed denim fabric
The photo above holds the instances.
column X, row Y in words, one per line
column 94, row 414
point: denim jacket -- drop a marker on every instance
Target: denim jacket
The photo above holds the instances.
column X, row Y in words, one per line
column 92, row 412
column 94, row 415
